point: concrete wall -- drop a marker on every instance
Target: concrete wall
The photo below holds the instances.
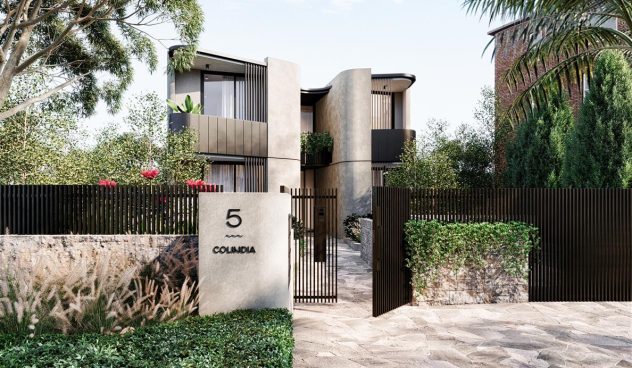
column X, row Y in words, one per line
column 187, row 83
column 123, row 251
column 284, row 125
column 346, row 114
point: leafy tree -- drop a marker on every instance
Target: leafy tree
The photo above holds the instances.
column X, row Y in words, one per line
column 34, row 143
column 421, row 168
column 76, row 43
column 563, row 40
column 536, row 155
column 121, row 153
column 600, row 148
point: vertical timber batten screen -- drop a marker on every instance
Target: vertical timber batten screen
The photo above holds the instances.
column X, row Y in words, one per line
column 256, row 92
column 92, row 209
column 586, row 234
column 314, row 221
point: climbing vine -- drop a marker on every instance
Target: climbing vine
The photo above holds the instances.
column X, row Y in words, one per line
column 433, row 246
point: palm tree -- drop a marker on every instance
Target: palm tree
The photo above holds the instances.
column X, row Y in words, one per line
column 563, row 39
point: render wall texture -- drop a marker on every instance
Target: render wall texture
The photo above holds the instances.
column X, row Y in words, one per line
column 254, row 279
column 123, row 251
column 187, row 83
column 345, row 112
column 284, row 125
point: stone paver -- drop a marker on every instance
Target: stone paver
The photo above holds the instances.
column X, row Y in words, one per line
column 513, row 335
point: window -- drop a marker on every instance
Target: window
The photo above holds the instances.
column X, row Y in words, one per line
column 223, row 95
column 307, row 119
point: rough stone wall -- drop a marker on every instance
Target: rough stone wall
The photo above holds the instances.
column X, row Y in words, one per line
column 366, row 239
column 123, row 251
column 471, row 286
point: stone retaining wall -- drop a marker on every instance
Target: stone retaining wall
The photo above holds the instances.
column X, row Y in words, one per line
column 470, row 286
column 366, row 239
column 123, row 251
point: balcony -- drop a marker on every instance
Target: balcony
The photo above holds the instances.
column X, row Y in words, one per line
column 315, row 160
column 224, row 136
column 387, row 144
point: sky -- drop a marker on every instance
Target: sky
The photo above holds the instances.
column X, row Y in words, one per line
column 435, row 40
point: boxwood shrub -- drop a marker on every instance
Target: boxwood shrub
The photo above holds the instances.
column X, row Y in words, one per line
column 433, row 246
column 239, row 339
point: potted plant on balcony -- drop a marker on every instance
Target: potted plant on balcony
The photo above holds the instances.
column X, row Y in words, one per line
column 316, row 148
column 188, row 107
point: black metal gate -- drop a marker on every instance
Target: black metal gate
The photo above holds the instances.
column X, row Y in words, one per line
column 391, row 277
column 314, row 221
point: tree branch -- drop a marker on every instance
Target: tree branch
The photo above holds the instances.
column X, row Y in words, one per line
column 33, row 100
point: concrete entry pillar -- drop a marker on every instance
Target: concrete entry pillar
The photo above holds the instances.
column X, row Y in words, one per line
column 345, row 112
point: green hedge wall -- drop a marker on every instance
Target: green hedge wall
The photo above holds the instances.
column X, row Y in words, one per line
column 239, row 339
column 433, row 246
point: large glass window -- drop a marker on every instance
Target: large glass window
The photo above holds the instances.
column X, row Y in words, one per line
column 223, row 95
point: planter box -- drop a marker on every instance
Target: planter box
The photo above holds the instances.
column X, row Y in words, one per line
column 474, row 286
column 316, row 160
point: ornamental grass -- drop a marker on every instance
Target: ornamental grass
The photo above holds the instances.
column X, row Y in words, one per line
column 55, row 298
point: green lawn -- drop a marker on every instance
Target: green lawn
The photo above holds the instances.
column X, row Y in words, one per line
column 239, row 339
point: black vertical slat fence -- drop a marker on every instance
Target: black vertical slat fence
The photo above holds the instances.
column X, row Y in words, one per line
column 315, row 220
column 586, row 235
column 92, row 209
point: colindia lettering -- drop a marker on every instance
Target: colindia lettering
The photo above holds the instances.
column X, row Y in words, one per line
column 234, row 250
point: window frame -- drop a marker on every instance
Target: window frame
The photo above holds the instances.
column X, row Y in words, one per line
column 234, row 75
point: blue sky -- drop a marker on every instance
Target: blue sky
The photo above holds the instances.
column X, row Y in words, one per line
column 435, row 40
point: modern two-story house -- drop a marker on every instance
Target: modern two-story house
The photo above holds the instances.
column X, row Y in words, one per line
column 254, row 113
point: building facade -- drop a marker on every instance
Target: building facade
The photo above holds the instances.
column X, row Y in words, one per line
column 254, row 113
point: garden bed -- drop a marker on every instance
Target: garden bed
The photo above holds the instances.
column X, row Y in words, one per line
column 239, row 339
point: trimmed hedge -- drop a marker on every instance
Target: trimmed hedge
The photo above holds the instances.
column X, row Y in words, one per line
column 433, row 246
column 239, row 339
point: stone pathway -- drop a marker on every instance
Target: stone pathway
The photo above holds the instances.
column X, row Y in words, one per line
column 513, row 335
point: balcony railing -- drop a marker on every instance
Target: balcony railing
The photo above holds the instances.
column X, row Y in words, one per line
column 224, row 136
column 388, row 144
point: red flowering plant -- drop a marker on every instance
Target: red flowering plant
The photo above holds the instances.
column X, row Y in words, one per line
column 200, row 185
column 107, row 183
column 150, row 174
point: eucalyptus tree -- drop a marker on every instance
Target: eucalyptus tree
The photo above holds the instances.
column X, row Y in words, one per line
column 562, row 39
column 87, row 46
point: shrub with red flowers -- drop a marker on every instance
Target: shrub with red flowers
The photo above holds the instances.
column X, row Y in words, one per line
column 150, row 174
column 107, row 183
column 200, row 185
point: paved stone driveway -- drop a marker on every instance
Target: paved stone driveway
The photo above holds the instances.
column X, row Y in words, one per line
column 513, row 335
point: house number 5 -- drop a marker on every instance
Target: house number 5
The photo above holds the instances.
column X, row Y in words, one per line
column 233, row 220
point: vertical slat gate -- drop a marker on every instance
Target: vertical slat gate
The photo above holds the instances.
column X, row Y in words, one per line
column 314, row 221
column 585, row 251
column 391, row 278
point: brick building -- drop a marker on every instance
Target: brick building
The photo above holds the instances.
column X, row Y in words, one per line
column 508, row 50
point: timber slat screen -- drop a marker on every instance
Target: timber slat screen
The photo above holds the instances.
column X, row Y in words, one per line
column 93, row 209
column 586, row 234
column 314, row 221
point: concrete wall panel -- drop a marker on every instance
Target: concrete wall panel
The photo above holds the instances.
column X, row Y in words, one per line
column 284, row 124
column 345, row 112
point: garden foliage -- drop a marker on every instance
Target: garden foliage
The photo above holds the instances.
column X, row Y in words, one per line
column 239, row 339
column 536, row 155
column 352, row 226
column 316, row 142
column 433, row 246
column 600, row 148
column 96, row 298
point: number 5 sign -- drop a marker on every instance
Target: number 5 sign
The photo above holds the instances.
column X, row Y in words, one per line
column 245, row 253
